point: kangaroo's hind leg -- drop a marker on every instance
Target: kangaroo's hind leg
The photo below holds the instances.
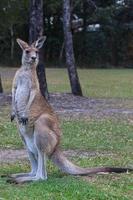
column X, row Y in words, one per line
column 40, row 142
column 33, row 162
column 41, row 173
column 27, row 136
column 45, row 141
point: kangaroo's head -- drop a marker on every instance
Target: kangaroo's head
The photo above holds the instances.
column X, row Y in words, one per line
column 30, row 54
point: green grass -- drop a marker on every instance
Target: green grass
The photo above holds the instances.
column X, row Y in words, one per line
column 115, row 138
column 89, row 135
column 93, row 135
column 95, row 82
column 60, row 186
column 98, row 135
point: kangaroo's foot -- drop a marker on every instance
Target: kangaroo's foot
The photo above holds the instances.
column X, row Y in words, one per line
column 21, row 180
column 30, row 174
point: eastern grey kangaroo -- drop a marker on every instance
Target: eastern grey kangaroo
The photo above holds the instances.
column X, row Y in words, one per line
column 38, row 124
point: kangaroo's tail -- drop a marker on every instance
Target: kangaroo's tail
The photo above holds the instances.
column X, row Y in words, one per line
column 66, row 166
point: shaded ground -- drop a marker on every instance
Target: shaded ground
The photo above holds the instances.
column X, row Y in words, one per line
column 71, row 106
column 67, row 105
column 10, row 156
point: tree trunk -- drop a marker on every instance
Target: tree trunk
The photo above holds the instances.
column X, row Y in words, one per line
column 61, row 53
column 69, row 52
column 12, row 42
column 1, row 87
column 84, row 30
column 35, row 31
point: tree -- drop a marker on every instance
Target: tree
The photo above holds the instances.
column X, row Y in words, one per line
column 1, row 87
column 69, row 52
column 35, row 31
column 11, row 14
column 88, row 9
column 101, row 38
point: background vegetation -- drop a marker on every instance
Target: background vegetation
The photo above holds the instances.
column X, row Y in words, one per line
column 110, row 44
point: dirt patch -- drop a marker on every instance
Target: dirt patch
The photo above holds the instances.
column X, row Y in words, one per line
column 11, row 156
column 5, row 99
column 69, row 106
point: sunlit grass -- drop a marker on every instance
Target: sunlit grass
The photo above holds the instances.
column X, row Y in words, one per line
column 95, row 82
column 60, row 186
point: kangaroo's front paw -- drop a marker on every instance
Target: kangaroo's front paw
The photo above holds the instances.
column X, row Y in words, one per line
column 12, row 117
column 23, row 120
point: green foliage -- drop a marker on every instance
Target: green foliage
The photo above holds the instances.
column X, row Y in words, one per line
column 110, row 45
column 105, row 3
column 51, row 7
column 11, row 19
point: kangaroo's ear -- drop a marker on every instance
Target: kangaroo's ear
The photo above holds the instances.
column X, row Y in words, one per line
column 39, row 43
column 22, row 44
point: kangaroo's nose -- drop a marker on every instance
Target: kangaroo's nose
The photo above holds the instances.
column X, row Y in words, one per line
column 33, row 58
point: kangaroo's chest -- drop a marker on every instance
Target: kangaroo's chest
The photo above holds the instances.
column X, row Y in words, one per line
column 24, row 85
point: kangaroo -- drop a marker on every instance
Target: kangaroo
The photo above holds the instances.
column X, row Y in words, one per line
column 37, row 123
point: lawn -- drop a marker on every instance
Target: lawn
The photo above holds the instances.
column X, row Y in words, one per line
column 95, row 82
column 112, row 140
column 62, row 187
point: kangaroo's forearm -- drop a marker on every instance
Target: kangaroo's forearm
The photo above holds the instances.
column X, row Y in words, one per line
column 31, row 98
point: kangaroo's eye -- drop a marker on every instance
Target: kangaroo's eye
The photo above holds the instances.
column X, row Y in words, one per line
column 27, row 51
column 36, row 52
